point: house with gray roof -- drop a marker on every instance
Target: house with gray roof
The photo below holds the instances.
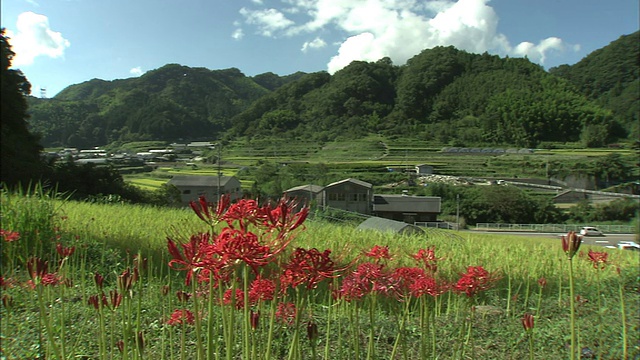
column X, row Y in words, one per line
column 193, row 186
column 350, row 195
column 406, row 208
column 305, row 194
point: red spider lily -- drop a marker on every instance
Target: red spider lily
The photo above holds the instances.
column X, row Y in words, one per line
column 197, row 254
column 527, row 322
column 366, row 279
column 116, row 299
column 6, row 283
column 416, row 282
column 183, row 296
column 542, row 282
column 165, row 290
column 9, row 236
column 599, row 259
column 235, row 246
column 51, row 279
column 120, row 345
column 281, row 217
column 203, row 208
column 476, row 279
column 98, row 301
column 307, row 266
column 180, row 316
column 286, row 313
column 245, row 212
column 571, row 243
column 99, row 280
column 262, row 290
column 427, row 257
column 378, row 253
column 127, row 279
column 37, row 268
column 65, row 252
column 237, row 299
column 312, row 330
column 254, row 319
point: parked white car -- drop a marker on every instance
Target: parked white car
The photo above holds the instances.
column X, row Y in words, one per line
column 628, row 245
column 590, row 231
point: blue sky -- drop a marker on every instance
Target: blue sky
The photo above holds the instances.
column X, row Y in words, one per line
column 63, row 42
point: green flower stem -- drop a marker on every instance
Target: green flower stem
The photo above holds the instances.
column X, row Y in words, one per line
column 573, row 311
column 372, row 325
column 531, row 345
column 47, row 323
column 401, row 328
column 329, row 318
column 623, row 314
column 272, row 318
column 247, row 318
column 197, row 319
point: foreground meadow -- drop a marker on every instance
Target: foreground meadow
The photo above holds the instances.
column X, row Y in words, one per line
column 260, row 281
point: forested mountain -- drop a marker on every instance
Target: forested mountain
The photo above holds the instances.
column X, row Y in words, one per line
column 442, row 94
column 611, row 77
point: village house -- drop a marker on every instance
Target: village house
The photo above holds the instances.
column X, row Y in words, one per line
column 350, row 195
column 193, row 186
column 405, row 208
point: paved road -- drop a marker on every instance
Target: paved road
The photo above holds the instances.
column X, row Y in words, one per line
column 607, row 240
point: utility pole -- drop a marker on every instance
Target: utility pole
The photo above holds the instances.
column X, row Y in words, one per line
column 219, row 169
column 457, row 211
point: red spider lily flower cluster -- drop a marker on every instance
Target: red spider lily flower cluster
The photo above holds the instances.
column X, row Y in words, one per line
column 417, row 282
column 366, row 279
column 180, row 316
column 262, row 290
column 599, row 259
column 126, row 280
column 378, row 253
column 308, row 267
column 427, row 258
column 238, row 242
column 527, row 322
column 542, row 282
column 475, row 280
column 65, row 252
column 235, row 298
column 39, row 272
column 286, row 312
column 571, row 243
column 9, row 236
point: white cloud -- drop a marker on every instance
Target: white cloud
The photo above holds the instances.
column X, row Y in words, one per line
column 399, row 29
column 316, row 43
column 34, row 38
column 269, row 21
column 136, row 71
column 237, row 34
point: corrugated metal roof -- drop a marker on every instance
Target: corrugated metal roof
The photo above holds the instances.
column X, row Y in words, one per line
column 404, row 203
column 310, row 187
column 351, row 180
column 388, row 225
column 199, row 180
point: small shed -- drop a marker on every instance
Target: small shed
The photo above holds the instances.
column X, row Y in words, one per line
column 388, row 225
column 193, row 186
column 424, row 169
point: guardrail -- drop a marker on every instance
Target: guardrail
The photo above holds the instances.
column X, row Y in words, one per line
column 559, row 228
column 437, row 224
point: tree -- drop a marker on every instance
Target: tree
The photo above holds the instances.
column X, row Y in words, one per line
column 19, row 148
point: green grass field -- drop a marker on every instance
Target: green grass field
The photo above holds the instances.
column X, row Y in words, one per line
column 58, row 321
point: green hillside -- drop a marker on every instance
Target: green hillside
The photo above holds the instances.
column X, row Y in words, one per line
column 440, row 96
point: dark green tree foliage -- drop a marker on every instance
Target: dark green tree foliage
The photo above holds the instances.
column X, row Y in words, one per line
column 19, row 148
column 441, row 94
column 611, row 77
